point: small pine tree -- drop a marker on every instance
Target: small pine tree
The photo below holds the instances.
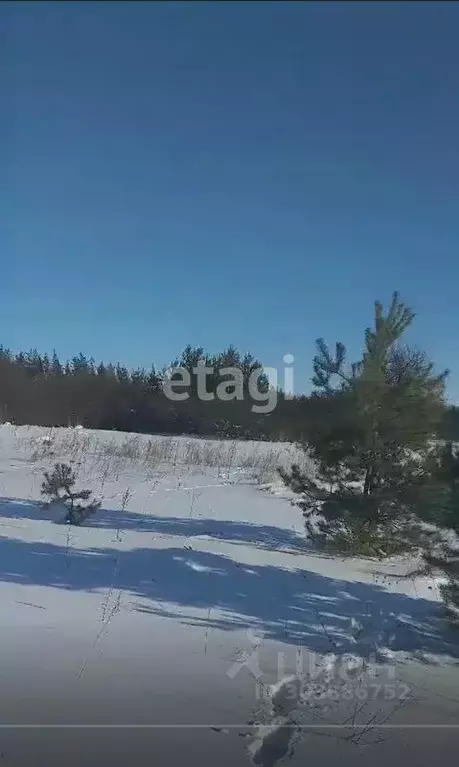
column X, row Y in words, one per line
column 58, row 487
column 373, row 445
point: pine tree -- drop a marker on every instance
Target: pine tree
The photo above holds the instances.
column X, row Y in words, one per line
column 58, row 487
column 372, row 448
column 79, row 364
column 153, row 379
column 444, row 500
column 122, row 374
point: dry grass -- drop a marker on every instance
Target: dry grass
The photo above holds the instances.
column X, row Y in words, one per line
column 109, row 454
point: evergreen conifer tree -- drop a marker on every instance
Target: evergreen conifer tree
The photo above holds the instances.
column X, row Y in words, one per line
column 58, row 487
column 372, row 448
column 443, row 554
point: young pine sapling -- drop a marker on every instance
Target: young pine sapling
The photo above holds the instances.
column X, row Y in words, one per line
column 58, row 488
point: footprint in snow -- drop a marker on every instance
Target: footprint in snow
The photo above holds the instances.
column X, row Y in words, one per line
column 271, row 744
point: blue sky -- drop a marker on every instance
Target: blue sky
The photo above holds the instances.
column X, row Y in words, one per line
column 216, row 173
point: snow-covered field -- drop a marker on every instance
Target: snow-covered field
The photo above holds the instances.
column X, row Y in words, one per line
column 191, row 599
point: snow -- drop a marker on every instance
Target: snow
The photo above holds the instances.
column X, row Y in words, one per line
column 192, row 598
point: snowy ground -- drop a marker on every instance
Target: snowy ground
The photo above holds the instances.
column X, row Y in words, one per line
column 191, row 599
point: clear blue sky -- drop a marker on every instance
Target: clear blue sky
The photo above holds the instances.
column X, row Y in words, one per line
column 216, row 173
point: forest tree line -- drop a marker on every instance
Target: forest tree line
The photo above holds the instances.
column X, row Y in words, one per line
column 42, row 390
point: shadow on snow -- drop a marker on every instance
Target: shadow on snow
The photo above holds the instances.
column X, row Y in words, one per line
column 295, row 606
column 261, row 536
